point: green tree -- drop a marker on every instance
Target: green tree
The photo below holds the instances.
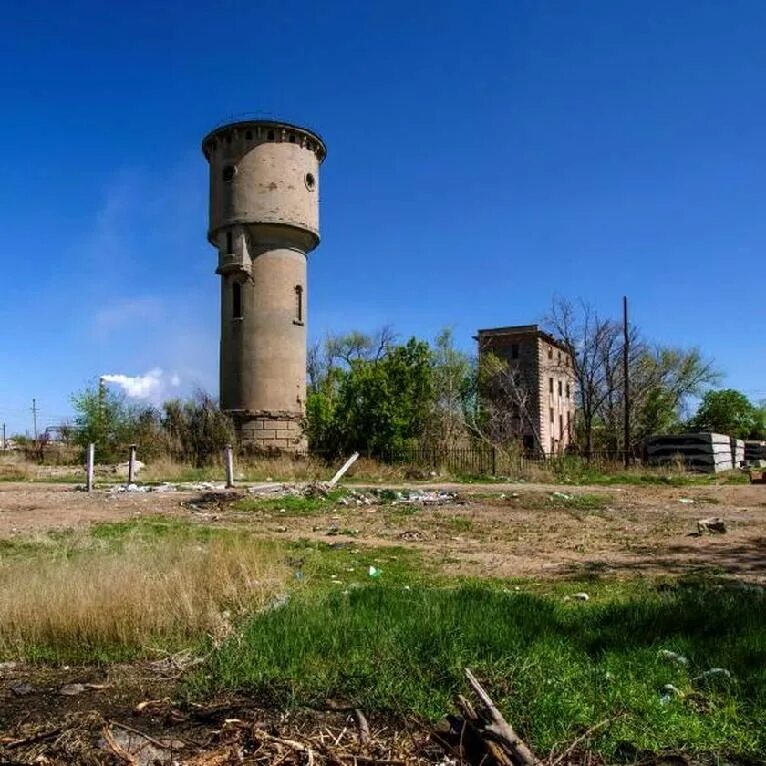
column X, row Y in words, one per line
column 454, row 391
column 376, row 399
column 102, row 417
column 726, row 411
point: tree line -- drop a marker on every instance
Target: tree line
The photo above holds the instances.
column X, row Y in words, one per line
column 378, row 394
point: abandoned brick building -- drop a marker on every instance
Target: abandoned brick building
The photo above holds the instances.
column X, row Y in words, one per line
column 539, row 388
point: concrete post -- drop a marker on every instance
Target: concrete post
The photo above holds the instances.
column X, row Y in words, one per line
column 89, row 466
column 132, row 464
column 229, row 453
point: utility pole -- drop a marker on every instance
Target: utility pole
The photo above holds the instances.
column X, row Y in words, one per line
column 34, row 417
column 625, row 372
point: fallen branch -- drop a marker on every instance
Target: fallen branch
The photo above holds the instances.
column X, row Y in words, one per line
column 481, row 735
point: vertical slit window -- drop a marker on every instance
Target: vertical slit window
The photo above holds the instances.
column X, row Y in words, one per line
column 299, row 303
column 229, row 242
column 236, row 301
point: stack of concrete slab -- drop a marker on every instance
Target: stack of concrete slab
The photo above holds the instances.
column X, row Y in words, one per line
column 737, row 451
column 705, row 452
column 755, row 451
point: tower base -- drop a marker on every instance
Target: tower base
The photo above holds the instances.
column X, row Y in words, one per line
column 262, row 431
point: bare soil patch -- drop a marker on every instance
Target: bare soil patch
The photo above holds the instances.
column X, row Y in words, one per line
column 515, row 530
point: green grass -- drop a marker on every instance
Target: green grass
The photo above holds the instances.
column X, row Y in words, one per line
column 554, row 667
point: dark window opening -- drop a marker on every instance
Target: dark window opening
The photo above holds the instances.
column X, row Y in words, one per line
column 514, row 350
column 560, row 387
column 270, row 135
column 553, row 419
column 561, row 426
column 229, row 242
column 311, row 182
column 228, row 172
column 299, row 303
column 550, row 385
column 236, row 301
column 248, row 135
column 550, row 353
column 308, row 145
column 228, row 138
column 567, row 390
column 291, row 138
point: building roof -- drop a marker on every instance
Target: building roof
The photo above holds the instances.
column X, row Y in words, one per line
column 519, row 330
column 268, row 123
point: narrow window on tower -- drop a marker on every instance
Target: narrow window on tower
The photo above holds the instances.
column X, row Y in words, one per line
column 229, row 243
column 236, row 301
column 298, row 304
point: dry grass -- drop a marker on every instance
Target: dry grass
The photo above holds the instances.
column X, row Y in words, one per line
column 124, row 600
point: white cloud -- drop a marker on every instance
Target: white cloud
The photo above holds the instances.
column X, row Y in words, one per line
column 154, row 386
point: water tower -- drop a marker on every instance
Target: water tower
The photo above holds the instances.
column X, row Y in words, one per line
column 264, row 220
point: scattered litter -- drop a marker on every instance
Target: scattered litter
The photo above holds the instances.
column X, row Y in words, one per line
column 22, row 688
column 668, row 693
column 581, row 596
column 412, row 535
column 685, row 500
column 713, row 524
column 374, row 571
column 678, row 659
column 562, row 495
column 277, row 602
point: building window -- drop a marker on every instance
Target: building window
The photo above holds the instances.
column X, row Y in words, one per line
column 229, row 242
column 514, row 350
column 291, row 138
column 550, row 352
column 569, row 424
column 299, row 304
column 561, row 385
column 311, row 182
column 561, row 426
column 567, row 390
column 553, row 419
column 550, row 385
column 248, row 135
column 228, row 172
column 236, row 301
column 270, row 135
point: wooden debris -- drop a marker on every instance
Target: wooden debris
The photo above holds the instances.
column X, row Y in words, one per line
column 481, row 735
column 339, row 475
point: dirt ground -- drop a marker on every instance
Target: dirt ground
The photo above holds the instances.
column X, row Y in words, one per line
column 493, row 530
column 513, row 530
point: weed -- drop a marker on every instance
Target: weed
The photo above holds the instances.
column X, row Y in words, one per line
column 128, row 589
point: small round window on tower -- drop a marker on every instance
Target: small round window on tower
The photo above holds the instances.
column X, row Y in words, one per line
column 228, row 172
column 311, row 182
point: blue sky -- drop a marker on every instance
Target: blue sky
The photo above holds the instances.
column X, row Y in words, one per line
column 482, row 158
